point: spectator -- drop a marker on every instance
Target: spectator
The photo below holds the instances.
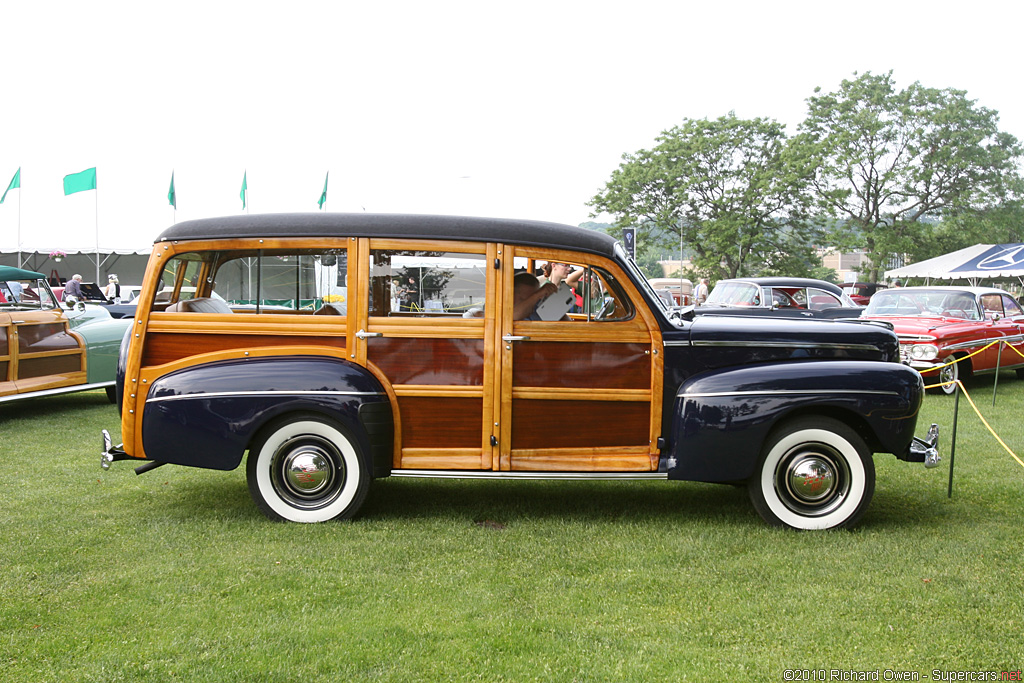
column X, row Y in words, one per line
column 700, row 293
column 113, row 289
column 73, row 290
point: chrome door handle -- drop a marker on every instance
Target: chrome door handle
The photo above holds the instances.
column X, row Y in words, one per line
column 512, row 338
column 362, row 334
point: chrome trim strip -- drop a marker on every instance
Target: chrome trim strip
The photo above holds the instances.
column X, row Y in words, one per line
column 784, row 392
column 223, row 394
column 527, row 475
column 59, row 390
column 676, row 342
column 786, row 345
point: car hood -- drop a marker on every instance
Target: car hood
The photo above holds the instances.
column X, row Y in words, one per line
column 723, row 340
column 928, row 325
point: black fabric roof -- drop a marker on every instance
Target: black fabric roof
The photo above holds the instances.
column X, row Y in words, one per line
column 506, row 230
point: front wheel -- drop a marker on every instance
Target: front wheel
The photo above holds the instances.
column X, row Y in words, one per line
column 814, row 473
column 306, row 469
column 948, row 376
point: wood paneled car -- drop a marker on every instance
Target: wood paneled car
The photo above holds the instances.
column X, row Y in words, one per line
column 45, row 349
column 336, row 349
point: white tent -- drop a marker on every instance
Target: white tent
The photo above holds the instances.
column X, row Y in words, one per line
column 980, row 262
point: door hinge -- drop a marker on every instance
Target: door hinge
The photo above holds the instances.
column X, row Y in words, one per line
column 497, row 264
column 494, row 440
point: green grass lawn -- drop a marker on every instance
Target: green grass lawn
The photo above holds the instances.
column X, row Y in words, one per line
column 175, row 575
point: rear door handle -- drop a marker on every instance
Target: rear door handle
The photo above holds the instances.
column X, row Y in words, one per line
column 512, row 338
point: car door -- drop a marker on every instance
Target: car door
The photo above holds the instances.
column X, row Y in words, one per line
column 581, row 392
column 47, row 355
column 428, row 328
column 1013, row 350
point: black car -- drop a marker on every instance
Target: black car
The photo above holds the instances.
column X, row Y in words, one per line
column 779, row 296
column 336, row 349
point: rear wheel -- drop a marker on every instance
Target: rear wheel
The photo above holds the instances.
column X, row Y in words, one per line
column 814, row 473
column 306, row 469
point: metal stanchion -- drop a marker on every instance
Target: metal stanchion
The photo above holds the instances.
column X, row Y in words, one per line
column 995, row 384
column 952, row 448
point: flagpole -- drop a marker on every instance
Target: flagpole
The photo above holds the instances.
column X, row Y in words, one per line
column 96, row 197
column 20, row 191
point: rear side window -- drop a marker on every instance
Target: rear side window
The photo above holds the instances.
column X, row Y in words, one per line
column 260, row 281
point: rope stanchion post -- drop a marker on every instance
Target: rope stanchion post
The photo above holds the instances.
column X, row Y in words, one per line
column 952, row 448
column 995, row 382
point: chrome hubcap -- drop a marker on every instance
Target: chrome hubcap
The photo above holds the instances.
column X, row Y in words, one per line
column 812, row 479
column 308, row 471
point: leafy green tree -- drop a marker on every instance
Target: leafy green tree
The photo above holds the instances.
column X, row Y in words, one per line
column 727, row 190
column 889, row 163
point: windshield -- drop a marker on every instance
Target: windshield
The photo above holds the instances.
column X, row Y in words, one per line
column 734, row 294
column 924, row 303
column 26, row 295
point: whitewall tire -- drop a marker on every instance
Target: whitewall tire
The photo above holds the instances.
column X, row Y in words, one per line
column 814, row 473
column 306, row 469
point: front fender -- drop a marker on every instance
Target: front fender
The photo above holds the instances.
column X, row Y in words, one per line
column 207, row 415
column 721, row 418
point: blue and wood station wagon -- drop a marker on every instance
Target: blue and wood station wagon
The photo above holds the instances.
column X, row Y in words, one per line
column 330, row 350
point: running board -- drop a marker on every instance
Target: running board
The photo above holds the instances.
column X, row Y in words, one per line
column 563, row 476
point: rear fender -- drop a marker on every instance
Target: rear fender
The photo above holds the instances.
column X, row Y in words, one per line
column 207, row 415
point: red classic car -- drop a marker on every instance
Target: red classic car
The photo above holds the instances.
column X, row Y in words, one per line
column 937, row 325
column 861, row 292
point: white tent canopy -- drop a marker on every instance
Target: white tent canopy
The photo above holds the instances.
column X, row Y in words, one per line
column 980, row 262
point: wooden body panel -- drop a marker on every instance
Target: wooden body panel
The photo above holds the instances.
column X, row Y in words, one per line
column 577, row 395
column 38, row 352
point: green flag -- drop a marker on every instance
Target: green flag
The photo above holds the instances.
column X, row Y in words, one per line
column 80, row 182
column 323, row 195
column 245, row 187
column 16, row 182
column 171, row 197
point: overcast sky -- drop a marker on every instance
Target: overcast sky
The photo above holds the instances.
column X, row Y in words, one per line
column 493, row 109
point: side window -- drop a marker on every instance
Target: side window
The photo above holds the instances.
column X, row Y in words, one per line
column 992, row 304
column 283, row 281
column 586, row 293
column 180, row 279
column 427, row 284
column 1011, row 307
column 821, row 300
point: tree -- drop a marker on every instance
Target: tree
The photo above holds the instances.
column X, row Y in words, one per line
column 889, row 162
column 728, row 190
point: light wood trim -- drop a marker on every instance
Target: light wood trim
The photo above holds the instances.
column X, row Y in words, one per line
column 359, row 269
column 446, row 459
column 504, row 325
column 492, row 396
column 582, row 331
column 439, row 390
column 66, row 379
column 580, row 394
column 454, row 246
column 583, row 460
column 50, row 354
column 218, row 323
column 467, row 328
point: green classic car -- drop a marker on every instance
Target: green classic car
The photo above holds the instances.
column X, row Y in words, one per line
column 46, row 349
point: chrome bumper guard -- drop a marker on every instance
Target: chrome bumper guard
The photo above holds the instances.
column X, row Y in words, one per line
column 111, row 453
column 925, row 450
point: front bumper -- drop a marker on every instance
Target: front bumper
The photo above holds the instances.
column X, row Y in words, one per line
column 925, row 450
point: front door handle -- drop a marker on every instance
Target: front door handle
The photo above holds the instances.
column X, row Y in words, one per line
column 363, row 334
column 512, row 338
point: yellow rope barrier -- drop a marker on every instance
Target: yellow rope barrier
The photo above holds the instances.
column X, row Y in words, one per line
column 988, row 426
